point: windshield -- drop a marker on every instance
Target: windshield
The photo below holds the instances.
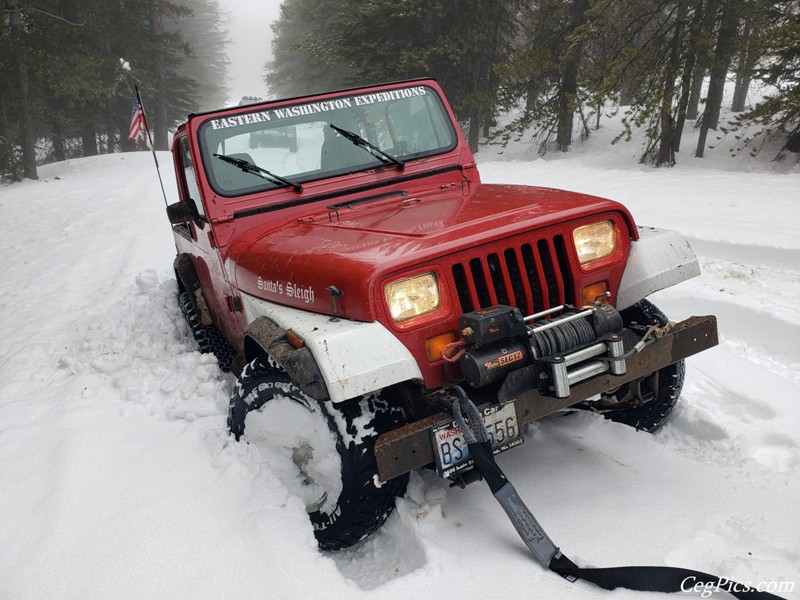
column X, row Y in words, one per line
column 296, row 142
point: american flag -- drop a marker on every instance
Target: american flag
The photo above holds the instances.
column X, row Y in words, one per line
column 137, row 118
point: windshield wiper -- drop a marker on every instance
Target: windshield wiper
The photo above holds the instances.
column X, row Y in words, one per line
column 248, row 167
column 371, row 148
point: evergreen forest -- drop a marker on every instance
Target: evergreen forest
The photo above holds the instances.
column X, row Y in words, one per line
column 69, row 68
column 555, row 66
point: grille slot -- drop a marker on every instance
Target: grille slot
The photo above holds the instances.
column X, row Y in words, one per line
column 532, row 276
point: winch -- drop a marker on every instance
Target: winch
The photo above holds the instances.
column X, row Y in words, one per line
column 567, row 345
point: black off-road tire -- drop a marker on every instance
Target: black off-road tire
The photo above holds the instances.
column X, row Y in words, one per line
column 362, row 506
column 208, row 337
column 654, row 413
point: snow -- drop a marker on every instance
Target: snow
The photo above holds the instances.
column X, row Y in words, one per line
column 298, row 447
column 118, row 478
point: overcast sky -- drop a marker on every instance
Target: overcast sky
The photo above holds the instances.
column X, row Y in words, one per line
column 250, row 32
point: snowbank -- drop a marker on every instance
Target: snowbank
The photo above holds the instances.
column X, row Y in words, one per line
column 118, row 479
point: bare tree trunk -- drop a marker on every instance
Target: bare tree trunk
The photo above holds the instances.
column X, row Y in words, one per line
column 568, row 91
column 57, row 139
column 793, row 143
column 566, row 106
column 719, row 71
column 28, row 133
column 531, row 96
column 740, row 91
column 88, row 139
column 487, row 125
column 698, row 74
column 689, row 69
column 708, row 21
column 666, row 145
column 683, row 103
column 534, row 15
column 745, row 64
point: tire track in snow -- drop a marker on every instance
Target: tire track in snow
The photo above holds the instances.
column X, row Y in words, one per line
column 738, row 402
column 786, row 258
column 754, row 299
column 761, row 337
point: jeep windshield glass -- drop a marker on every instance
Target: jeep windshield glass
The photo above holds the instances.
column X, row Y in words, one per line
column 371, row 148
column 249, row 167
column 296, row 140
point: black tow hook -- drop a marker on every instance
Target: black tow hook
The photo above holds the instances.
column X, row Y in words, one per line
column 463, row 479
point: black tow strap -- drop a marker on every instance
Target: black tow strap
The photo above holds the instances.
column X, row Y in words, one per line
column 643, row 579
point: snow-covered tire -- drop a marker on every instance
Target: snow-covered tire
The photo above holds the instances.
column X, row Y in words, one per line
column 208, row 337
column 651, row 415
column 337, row 478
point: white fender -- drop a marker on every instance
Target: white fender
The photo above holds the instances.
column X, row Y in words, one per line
column 355, row 358
column 660, row 258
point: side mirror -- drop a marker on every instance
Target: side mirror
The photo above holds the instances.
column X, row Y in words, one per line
column 182, row 212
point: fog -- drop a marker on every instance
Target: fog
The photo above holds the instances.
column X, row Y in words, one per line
column 250, row 33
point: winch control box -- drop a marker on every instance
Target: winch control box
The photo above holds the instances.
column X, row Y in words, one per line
column 492, row 324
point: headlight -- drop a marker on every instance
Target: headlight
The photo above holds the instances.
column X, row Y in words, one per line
column 595, row 241
column 412, row 296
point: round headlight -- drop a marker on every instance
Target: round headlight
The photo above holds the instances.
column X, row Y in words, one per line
column 413, row 296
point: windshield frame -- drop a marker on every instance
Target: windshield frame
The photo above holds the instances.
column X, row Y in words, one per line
column 290, row 113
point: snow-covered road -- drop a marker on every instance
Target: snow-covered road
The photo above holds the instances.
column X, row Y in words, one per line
column 118, row 479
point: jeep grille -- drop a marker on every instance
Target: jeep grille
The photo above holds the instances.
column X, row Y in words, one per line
column 532, row 275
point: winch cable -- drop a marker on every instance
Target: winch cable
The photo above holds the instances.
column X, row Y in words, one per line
column 639, row 578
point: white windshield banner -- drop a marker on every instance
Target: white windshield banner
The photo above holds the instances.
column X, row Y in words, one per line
column 299, row 110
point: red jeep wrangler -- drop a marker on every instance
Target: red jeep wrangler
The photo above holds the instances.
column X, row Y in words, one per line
column 340, row 254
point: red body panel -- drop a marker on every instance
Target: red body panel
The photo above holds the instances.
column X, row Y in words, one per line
column 357, row 247
column 433, row 215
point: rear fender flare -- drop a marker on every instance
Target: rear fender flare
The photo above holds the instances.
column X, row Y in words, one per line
column 188, row 281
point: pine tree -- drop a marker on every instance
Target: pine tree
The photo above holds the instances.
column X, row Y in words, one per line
column 723, row 54
column 749, row 50
column 206, row 41
column 323, row 44
column 80, row 60
column 779, row 112
column 640, row 59
column 16, row 46
column 304, row 57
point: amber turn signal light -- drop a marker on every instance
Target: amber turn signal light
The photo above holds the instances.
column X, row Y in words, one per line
column 435, row 345
column 294, row 339
column 590, row 292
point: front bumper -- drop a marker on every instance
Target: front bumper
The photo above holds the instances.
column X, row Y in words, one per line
column 410, row 447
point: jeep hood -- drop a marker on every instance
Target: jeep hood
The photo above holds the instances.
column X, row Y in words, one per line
column 353, row 247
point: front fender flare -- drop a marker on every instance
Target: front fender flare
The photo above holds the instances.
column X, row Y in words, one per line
column 660, row 258
column 264, row 336
column 353, row 357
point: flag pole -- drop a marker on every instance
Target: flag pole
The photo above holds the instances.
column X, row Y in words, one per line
column 152, row 146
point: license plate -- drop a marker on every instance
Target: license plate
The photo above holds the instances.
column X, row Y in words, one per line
column 450, row 449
